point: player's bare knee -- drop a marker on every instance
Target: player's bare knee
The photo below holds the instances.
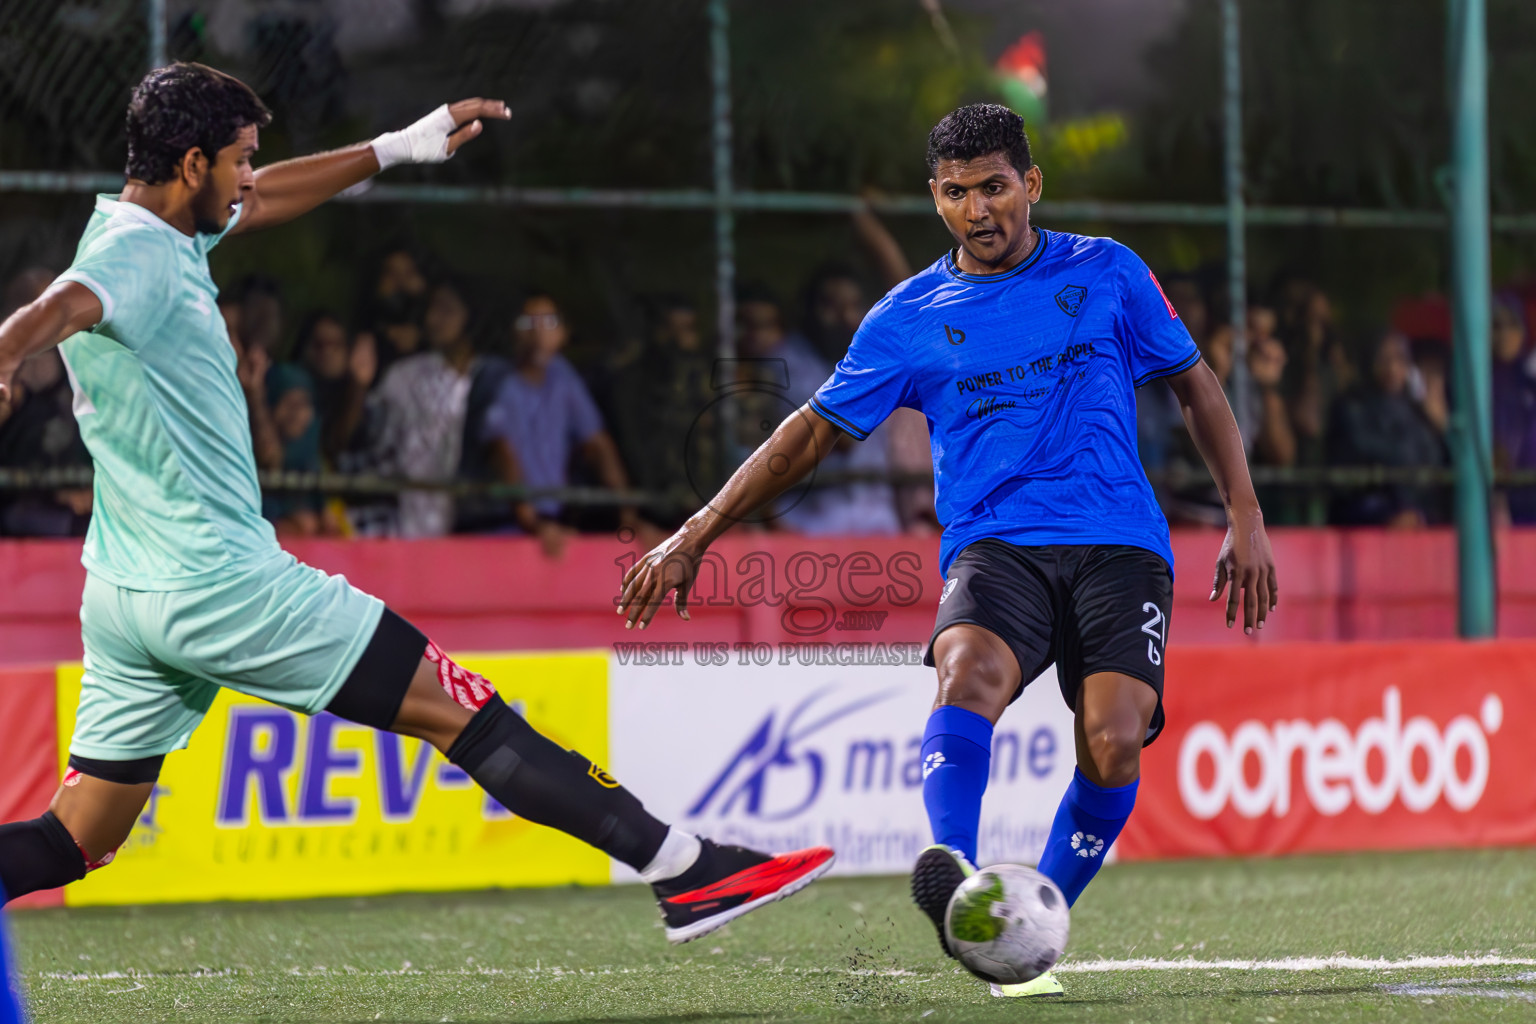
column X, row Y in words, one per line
column 974, row 677
column 1114, row 743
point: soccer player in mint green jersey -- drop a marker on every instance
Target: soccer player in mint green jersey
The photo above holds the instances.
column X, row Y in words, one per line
column 186, row 588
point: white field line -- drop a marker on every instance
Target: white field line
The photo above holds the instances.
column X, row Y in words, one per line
column 1291, row 964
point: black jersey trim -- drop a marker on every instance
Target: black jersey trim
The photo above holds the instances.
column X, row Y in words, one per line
column 953, row 267
column 838, row 421
column 1186, row 364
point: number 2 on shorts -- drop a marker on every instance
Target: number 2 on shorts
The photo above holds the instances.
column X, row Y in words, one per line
column 1154, row 627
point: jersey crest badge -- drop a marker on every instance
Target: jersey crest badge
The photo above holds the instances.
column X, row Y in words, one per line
column 1070, row 298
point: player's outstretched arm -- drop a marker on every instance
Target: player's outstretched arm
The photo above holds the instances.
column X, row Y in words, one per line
column 795, row 448
column 64, row 309
column 293, row 187
column 1245, row 560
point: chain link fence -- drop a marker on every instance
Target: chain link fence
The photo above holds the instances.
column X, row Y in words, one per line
column 628, row 171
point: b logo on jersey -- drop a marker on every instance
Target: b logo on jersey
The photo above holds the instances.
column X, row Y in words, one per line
column 955, row 335
column 1070, row 298
column 949, row 588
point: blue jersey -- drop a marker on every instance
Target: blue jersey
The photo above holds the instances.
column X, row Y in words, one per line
column 10, row 1003
column 1028, row 379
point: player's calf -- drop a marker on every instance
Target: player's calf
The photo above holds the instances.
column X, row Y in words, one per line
column 90, row 817
column 407, row 684
column 1114, row 713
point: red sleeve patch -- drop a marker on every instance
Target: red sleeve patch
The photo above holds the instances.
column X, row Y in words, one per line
column 1173, row 314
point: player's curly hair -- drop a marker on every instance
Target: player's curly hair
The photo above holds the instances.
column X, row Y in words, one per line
column 186, row 106
column 981, row 128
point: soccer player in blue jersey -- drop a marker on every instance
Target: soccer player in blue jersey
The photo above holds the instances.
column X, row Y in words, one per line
column 1023, row 348
column 10, row 1002
column 186, row 587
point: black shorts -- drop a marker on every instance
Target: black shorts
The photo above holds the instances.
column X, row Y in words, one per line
column 1086, row 607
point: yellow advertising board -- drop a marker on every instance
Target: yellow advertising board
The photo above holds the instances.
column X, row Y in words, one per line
column 266, row 803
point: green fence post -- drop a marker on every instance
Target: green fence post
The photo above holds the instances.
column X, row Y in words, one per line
column 1471, row 435
column 154, row 15
column 1237, row 257
column 725, row 217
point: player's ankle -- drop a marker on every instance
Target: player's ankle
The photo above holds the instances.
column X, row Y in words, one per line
column 679, row 852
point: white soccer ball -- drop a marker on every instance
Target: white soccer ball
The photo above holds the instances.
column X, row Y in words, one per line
column 1007, row 924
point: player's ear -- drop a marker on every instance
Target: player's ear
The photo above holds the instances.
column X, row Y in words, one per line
column 933, row 190
column 1034, row 182
column 193, row 167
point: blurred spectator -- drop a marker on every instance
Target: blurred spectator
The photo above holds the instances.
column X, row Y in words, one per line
column 1318, row 367
column 793, row 371
column 660, row 398
column 1378, row 423
column 38, row 432
column 1514, row 403
column 261, row 314
column 1264, row 424
column 904, row 434
column 542, row 415
column 342, row 371
column 834, row 306
column 423, row 412
column 1275, row 444
column 251, row 365
column 395, row 307
column 291, row 393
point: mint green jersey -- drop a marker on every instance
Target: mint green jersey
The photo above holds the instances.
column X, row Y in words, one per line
column 160, row 408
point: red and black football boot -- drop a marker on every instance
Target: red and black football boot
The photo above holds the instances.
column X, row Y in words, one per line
column 728, row 881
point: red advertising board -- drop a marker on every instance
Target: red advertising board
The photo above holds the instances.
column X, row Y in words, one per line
column 29, row 760
column 1332, row 747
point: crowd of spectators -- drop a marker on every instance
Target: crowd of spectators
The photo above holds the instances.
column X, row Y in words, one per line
column 424, row 383
column 1317, row 398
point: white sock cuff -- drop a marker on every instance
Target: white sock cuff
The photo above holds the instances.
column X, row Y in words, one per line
column 677, row 854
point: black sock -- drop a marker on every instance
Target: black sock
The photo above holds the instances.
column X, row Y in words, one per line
column 533, row 778
column 38, row 854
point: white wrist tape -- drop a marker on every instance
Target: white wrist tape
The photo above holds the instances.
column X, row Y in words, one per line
column 425, row 142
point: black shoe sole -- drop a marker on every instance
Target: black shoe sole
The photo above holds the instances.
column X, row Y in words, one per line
column 935, row 878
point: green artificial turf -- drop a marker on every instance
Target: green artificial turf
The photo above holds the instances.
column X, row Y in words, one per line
column 845, row 949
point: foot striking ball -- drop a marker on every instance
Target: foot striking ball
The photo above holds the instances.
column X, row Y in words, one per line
column 1007, row 924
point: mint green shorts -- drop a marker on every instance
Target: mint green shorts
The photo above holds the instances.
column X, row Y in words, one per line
column 154, row 660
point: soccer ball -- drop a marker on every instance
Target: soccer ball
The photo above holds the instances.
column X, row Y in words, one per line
column 1007, row 924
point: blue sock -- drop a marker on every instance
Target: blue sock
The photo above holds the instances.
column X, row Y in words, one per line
column 1087, row 824
column 957, row 754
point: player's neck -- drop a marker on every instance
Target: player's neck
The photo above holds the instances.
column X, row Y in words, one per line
column 164, row 202
column 967, row 265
